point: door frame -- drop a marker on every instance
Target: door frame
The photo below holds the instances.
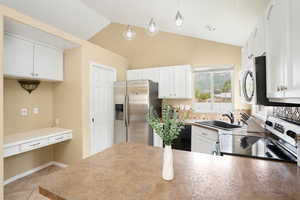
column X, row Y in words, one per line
column 91, row 112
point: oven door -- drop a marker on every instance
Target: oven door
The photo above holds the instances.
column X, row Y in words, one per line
column 248, row 87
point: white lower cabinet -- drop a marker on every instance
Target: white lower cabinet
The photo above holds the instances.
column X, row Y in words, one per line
column 204, row 140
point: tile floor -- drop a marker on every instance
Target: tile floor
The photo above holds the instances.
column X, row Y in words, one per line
column 27, row 187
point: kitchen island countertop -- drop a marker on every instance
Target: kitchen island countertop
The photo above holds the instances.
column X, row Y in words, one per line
column 133, row 171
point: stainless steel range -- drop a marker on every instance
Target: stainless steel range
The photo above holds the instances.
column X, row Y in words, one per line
column 279, row 144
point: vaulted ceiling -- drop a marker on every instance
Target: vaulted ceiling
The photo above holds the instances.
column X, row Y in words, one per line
column 233, row 19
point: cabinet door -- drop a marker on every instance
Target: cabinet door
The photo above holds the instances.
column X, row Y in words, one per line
column 244, row 58
column 48, row 63
column 133, row 75
column 251, row 47
column 204, row 140
column 292, row 77
column 276, row 46
column 180, row 83
column 166, row 83
column 150, row 74
column 259, row 38
column 18, row 57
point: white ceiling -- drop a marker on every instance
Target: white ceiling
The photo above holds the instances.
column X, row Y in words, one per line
column 234, row 19
column 71, row 16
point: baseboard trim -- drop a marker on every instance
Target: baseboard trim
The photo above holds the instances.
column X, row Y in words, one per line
column 27, row 173
column 58, row 164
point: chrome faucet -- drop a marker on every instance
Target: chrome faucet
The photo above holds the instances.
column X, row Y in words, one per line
column 230, row 117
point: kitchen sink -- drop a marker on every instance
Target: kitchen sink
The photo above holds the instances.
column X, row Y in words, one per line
column 219, row 124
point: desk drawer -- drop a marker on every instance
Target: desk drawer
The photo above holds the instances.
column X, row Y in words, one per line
column 34, row 144
column 60, row 138
column 12, row 150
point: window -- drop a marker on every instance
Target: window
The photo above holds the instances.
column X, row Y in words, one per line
column 213, row 91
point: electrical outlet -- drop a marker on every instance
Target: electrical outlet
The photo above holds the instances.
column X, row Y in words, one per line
column 57, row 122
column 24, row 111
column 35, row 110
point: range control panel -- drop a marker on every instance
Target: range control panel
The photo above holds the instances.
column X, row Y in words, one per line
column 279, row 128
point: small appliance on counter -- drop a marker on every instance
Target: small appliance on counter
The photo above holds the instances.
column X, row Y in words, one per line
column 280, row 143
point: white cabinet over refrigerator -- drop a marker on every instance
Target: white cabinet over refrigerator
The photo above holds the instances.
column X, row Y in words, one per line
column 175, row 82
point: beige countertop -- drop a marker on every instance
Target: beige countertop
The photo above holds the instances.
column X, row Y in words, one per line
column 133, row 172
column 17, row 137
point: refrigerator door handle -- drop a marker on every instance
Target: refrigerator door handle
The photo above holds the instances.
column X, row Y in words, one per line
column 126, row 111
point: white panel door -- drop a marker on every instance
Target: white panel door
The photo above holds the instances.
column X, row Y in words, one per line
column 18, row 57
column 48, row 63
column 102, row 107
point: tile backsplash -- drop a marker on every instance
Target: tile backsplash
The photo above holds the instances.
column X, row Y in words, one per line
column 292, row 113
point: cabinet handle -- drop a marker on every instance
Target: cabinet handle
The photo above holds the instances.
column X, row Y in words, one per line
column 59, row 138
column 32, row 74
column 36, row 74
column 32, row 145
column 270, row 11
column 251, row 56
column 278, row 88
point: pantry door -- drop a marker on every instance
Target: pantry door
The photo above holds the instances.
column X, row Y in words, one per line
column 102, row 107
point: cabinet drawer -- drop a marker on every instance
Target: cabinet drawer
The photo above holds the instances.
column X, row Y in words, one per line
column 205, row 133
column 12, row 150
column 60, row 138
column 34, row 144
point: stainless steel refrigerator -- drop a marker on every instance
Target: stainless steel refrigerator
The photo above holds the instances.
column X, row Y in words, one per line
column 133, row 100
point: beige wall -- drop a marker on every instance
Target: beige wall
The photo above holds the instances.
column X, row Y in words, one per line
column 70, row 98
column 1, row 106
column 67, row 104
column 26, row 161
column 167, row 49
column 16, row 98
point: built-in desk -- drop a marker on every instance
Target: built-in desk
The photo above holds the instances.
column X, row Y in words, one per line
column 27, row 141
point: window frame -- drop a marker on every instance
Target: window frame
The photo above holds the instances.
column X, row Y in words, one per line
column 227, row 68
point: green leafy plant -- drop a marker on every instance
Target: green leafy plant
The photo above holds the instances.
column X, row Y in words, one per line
column 169, row 126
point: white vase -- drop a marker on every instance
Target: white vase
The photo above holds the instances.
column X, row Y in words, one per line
column 168, row 170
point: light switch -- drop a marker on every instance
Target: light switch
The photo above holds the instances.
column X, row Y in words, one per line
column 35, row 110
column 24, row 111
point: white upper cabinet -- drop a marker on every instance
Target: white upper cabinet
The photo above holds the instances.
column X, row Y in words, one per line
column 18, row 57
column 174, row 82
column 259, row 38
column 166, row 83
column 277, row 20
column 133, row 75
column 255, row 45
column 48, row 62
column 293, row 71
column 28, row 59
column 143, row 74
